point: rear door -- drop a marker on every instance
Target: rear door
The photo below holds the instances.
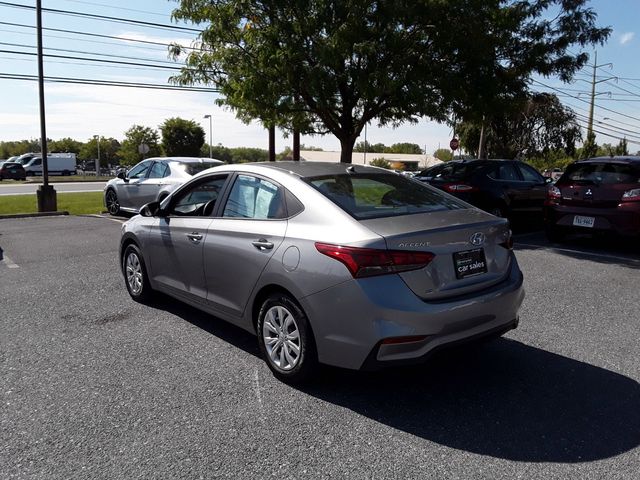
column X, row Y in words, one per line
column 535, row 186
column 515, row 191
column 239, row 243
column 150, row 186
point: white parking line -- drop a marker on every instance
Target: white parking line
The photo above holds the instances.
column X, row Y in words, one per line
column 9, row 263
column 579, row 252
column 106, row 218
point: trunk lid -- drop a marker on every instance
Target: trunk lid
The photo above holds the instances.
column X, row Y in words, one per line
column 466, row 244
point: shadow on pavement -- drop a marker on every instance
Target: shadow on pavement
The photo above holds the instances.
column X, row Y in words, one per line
column 502, row 399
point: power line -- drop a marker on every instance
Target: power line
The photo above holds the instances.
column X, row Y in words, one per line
column 106, row 18
column 97, row 35
column 109, row 83
column 98, row 60
column 164, row 15
column 92, row 53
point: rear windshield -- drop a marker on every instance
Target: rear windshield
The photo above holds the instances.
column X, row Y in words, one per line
column 601, row 173
column 193, row 168
column 366, row 196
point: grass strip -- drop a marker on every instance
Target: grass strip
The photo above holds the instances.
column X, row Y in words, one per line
column 76, row 203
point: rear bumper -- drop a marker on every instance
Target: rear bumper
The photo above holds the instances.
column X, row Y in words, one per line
column 351, row 320
column 622, row 220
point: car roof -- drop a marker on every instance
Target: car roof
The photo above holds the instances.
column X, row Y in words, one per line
column 314, row 169
column 186, row 159
column 629, row 159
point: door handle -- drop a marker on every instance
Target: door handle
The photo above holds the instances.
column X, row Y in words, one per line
column 194, row 237
column 262, row 244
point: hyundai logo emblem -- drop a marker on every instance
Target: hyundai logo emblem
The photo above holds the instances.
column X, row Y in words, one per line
column 477, row 238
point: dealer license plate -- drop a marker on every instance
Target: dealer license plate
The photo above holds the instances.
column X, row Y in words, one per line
column 469, row 263
column 580, row 221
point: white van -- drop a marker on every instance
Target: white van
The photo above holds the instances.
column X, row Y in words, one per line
column 57, row 163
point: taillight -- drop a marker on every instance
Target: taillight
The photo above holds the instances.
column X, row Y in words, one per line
column 631, row 195
column 553, row 195
column 459, row 188
column 368, row 262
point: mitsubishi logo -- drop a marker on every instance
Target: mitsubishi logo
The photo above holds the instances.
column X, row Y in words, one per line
column 477, row 238
column 588, row 193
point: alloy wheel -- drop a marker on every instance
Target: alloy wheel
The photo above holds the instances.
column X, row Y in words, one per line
column 112, row 203
column 281, row 338
column 134, row 273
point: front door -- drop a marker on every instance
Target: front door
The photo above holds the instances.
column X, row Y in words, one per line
column 175, row 242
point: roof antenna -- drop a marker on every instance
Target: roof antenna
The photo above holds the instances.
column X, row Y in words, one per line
column 351, row 169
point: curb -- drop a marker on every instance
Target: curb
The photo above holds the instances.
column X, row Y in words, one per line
column 37, row 214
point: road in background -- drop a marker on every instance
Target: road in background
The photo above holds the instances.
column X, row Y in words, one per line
column 30, row 188
column 94, row 385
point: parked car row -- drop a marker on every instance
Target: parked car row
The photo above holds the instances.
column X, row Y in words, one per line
column 12, row 171
column 594, row 195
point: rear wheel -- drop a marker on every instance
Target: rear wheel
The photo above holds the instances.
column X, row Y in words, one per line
column 285, row 339
column 135, row 275
column 111, row 200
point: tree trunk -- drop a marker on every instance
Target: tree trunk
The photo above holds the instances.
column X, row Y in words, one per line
column 346, row 149
column 481, row 152
column 272, row 144
column 296, row 145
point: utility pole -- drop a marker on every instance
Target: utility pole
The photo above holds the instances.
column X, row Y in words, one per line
column 46, row 194
column 594, row 82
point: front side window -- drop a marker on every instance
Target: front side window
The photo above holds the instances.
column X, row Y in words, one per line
column 199, row 199
column 255, row 198
column 140, row 170
column 381, row 195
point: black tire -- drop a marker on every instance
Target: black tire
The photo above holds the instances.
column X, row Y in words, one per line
column 292, row 369
column 554, row 234
column 111, row 201
column 135, row 274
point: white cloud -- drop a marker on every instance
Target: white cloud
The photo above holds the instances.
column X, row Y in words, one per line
column 626, row 38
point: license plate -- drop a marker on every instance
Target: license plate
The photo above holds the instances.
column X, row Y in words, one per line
column 469, row 263
column 580, row 221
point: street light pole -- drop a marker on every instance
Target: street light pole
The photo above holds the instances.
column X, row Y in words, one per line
column 46, row 194
column 210, row 136
column 97, row 137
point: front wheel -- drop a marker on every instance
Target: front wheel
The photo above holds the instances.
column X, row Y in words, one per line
column 285, row 339
column 111, row 200
column 135, row 275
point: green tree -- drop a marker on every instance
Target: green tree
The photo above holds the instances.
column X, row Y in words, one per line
column 590, row 147
column 65, row 145
column 134, row 137
column 109, row 151
column 380, row 162
column 369, row 147
column 218, row 152
column 443, row 154
column 535, row 127
column 406, row 148
column 335, row 65
column 622, row 148
column 244, row 155
column 181, row 137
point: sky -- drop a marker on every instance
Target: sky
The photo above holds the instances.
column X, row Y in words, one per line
column 83, row 111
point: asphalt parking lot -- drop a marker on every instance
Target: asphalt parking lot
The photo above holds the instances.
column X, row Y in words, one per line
column 94, row 385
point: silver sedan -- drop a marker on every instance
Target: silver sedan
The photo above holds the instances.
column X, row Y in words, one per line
column 152, row 179
column 350, row 266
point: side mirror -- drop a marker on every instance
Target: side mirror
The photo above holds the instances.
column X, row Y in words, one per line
column 122, row 175
column 152, row 209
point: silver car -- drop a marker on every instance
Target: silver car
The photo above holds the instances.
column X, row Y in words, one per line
column 152, row 179
column 343, row 265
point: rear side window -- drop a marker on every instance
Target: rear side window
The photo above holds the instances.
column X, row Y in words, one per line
column 366, row 196
column 602, row 173
column 256, row 198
